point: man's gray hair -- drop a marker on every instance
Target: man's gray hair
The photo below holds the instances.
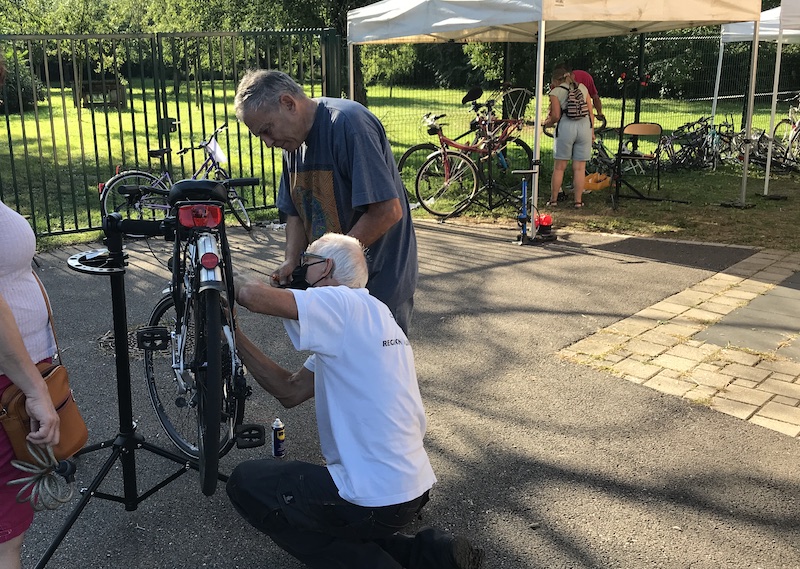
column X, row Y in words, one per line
column 348, row 255
column 262, row 89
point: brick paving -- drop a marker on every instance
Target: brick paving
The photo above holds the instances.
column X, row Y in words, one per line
column 657, row 347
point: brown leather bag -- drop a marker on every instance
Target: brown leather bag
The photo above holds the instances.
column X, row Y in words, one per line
column 17, row 423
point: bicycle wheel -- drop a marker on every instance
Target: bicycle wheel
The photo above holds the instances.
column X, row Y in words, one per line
column 237, row 207
column 783, row 132
column 515, row 102
column 446, row 183
column 148, row 205
column 410, row 163
column 506, row 186
column 176, row 407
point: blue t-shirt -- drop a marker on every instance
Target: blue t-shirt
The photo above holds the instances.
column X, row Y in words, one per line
column 344, row 165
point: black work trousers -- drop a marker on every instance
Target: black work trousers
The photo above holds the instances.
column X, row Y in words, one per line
column 297, row 504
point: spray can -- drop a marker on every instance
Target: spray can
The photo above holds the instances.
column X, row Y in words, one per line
column 278, row 439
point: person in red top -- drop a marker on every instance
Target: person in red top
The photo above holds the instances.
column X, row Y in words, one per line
column 584, row 78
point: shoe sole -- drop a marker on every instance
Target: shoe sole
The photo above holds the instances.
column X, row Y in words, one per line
column 467, row 556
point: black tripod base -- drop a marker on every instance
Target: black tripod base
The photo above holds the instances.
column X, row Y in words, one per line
column 538, row 239
column 123, row 448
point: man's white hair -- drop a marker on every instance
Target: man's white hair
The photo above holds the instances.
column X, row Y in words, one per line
column 348, row 255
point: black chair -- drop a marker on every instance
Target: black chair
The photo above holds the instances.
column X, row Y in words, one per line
column 632, row 162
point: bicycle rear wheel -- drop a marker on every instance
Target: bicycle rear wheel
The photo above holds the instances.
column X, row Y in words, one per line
column 410, row 163
column 446, row 183
column 209, row 403
column 147, row 205
column 176, row 406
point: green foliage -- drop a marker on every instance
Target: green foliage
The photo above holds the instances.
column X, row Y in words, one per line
column 20, row 86
column 389, row 64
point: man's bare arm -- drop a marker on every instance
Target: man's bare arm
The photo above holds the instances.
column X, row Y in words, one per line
column 376, row 221
column 289, row 388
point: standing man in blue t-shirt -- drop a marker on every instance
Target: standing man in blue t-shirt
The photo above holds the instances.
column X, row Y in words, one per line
column 339, row 175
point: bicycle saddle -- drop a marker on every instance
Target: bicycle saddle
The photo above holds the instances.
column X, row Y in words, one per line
column 158, row 153
column 201, row 190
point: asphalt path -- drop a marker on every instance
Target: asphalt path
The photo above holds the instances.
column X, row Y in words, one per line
column 546, row 463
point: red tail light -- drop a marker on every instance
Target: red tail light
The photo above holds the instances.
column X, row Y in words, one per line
column 200, row 215
column 209, row 260
column 100, row 187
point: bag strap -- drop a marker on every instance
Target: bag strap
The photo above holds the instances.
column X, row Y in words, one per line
column 49, row 314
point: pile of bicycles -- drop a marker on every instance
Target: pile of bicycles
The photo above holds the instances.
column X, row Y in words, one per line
column 476, row 167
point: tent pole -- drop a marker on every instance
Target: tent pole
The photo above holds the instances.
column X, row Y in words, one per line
column 538, row 128
column 751, row 96
column 350, row 73
column 716, row 81
column 774, row 105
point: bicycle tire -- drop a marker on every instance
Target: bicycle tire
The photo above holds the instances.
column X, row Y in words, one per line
column 176, row 412
column 445, row 195
column 149, row 206
column 783, row 132
column 410, row 163
column 209, row 404
column 515, row 102
column 599, row 124
column 237, row 207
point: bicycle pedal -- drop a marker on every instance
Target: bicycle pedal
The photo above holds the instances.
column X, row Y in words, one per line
column 250, row 436
column 152, row 338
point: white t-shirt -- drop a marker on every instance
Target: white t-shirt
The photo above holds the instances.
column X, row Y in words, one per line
column 369, row 410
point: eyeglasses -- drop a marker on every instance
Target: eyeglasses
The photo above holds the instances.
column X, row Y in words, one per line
column 308, row 259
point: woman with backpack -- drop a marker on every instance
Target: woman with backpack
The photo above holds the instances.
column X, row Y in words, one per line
column 571, row 113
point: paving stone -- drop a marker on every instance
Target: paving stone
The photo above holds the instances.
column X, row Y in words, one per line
column 780, row 426
column 781, row 366
column 786, row 400
column 656, row 315
column 715, row 307
column 741, row 294
column 696, row 354
column 695, row 343
column 689, row 297
column 782, row 377
column 639, row 346
column 690, row 323
column 639, row 357
column 781, row 388
column 658, row 337
column 702, row 315
column 669, row 307
column 634, row 379
column 754, row 286
column 746, row 383
column 681, row 330
column 614, row 358
column 745, row 372
column 674, row 362
column 781, row 412
column 633, row 326
column 740, row 357
column 595, row 345
column 713, row 287
column 735, row 408
column 700, row 394
column 745, row 395
column 706, row 366
column 728, row 300
column 669, row 385
column 636, row 369
column 773, row 277
column 709, row 378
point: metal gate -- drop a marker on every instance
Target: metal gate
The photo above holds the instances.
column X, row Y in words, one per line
column 79, row 108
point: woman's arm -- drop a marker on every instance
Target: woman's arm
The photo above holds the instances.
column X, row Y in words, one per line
column 17, row 365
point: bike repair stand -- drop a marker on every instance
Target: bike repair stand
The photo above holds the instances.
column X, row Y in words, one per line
column 525, row 212
column 111, row 262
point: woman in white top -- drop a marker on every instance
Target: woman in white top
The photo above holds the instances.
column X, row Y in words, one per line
column 573, row 137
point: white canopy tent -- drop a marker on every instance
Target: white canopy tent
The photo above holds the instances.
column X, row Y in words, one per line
column 781, row 25
column 429, row 21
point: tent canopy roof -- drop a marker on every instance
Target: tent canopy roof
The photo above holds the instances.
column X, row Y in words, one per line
column 768, row 27
column 429, row 21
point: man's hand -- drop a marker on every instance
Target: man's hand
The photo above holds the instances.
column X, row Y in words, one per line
column 282, row 276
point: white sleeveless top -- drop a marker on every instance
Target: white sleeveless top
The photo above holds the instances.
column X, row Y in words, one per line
column 19, row 287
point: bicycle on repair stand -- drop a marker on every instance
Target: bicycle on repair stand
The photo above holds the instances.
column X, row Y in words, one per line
column 194, row 377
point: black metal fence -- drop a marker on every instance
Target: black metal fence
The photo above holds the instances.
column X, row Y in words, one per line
column 79, row 108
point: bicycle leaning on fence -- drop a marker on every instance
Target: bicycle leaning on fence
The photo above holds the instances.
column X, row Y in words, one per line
column 195, row 379
column 138, row 194
column 450, row 180
column 786, row 135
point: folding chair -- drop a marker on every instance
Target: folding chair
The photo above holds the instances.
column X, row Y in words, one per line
column 631, row 162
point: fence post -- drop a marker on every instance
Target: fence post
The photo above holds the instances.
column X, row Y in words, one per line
column 331, row 63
